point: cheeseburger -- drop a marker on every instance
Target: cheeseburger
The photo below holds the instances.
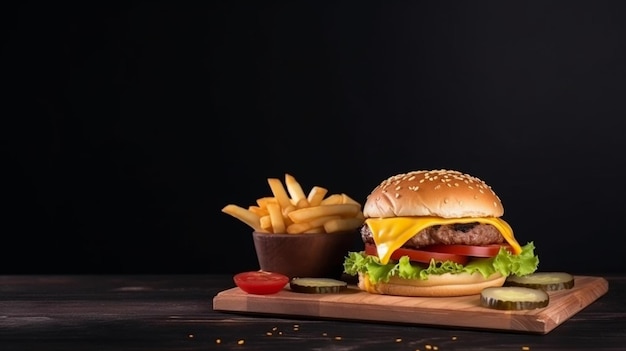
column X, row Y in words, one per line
column 436, row 233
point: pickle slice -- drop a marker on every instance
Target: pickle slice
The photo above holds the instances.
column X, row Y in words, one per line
column 548, row 281
column 317, row 285
column 513, row 298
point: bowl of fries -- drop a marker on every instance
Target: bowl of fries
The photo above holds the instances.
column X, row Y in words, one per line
column 298, row 234
column 303, row 255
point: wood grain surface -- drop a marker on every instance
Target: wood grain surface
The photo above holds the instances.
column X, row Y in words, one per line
column 461, row 312
column 175, row 312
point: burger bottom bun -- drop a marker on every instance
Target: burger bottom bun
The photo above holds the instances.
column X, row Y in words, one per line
column 447, row 284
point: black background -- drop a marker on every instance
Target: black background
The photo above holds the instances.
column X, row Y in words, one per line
column 126, row 128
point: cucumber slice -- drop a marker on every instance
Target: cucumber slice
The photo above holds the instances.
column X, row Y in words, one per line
column 317, row 285
column 513, row 298
column 548, row 281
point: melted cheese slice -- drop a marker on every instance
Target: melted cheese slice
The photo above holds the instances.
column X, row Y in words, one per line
column 391, row 233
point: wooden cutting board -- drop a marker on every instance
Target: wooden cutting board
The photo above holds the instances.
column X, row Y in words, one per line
column 462, row 312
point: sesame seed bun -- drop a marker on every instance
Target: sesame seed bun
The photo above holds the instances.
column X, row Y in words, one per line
column 440, row 193
column 435, row 286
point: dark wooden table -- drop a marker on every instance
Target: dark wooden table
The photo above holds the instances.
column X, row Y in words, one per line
column 174, row 312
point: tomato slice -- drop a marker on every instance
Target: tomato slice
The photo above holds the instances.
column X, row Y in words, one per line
column 469, row 250
column 419, row 255
column 261, row 282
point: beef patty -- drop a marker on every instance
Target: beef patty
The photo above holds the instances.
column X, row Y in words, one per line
column 463, row 234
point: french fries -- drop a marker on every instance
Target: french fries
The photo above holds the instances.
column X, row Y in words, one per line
column 310, row 213
column 276, row 218
column 280, row 194
column 316, row 195
column 291, row 210
column 248, row 217
column 295, row 190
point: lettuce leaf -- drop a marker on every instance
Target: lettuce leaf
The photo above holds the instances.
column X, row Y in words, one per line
column 505, row 263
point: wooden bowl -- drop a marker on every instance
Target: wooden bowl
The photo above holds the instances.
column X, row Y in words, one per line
column 319, row 255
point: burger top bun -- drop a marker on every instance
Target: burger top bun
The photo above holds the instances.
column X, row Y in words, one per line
column 439, row 193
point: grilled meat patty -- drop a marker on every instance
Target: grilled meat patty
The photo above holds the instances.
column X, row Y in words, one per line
column 463, row 234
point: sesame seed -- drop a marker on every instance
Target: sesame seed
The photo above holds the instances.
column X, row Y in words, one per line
column 445, row 201
column 398, row 187
column 437, row 187
column 449, row 185
column 397, row 195
column 411, row 177
column 240, row 342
